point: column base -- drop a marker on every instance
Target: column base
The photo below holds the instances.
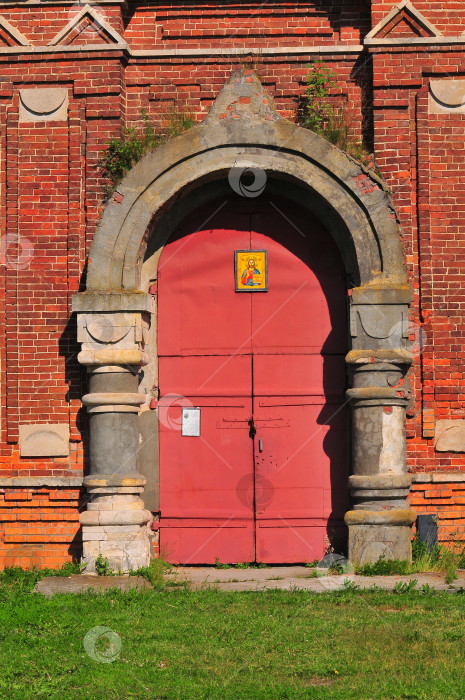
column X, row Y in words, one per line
column 375, row 534
column 115, row 526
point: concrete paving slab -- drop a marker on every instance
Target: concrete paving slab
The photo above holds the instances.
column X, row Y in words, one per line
column 301, row 578
column 285, row 578
column 79, row 583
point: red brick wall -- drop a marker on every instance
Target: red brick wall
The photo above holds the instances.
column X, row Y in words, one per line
column 255, row 24
column 444, row 496
column 52, row 192
column 421, row 156
column 39, row 526
column 447, row 17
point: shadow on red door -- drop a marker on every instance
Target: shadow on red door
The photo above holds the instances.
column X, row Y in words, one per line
column 253, row 435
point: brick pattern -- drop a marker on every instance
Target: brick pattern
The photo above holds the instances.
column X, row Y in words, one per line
column 403, row 25
column 420, row 155
column 231, row 24
column 39, row 527
column 52, row 193
column 447, row 18
column 447, row 500
column 40, row 25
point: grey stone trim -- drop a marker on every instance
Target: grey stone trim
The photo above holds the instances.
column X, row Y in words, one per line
column 39, row 481
column 13, row 32
column 244, row 51
column 416, row 41
column 19, row 50
column 88, row 11
column 449, row 435
column 421, row 478
column 380, row 481
column 239, row 51
column 94, row 301
column 439, row 478
column 396, row 516
column 407, row 5
column 131, row 480
column 396, row 295
column 121, row 45
column 446, row 96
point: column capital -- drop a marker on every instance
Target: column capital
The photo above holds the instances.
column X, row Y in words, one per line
column 113, row 327
column 379, row 327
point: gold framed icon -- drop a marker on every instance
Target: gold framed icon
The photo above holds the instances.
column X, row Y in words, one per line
column 251, row 270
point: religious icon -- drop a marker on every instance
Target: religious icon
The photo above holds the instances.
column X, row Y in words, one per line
column 251, row 268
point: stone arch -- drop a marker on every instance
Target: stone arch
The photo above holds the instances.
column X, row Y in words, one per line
column 243, row 131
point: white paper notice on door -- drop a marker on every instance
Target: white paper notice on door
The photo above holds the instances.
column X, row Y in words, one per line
column 190, row 426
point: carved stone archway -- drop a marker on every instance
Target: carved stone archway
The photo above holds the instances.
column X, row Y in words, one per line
column 244, row 132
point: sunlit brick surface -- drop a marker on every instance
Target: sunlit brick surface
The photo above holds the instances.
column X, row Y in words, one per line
column 52, row 194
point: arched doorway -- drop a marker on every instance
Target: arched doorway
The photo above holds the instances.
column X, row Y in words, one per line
column 262, row 368
column 117, row 316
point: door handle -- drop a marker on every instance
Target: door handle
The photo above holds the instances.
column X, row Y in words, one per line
column 260, row 445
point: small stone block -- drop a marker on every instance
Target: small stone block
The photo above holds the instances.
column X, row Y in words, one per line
column 450, row 436
column 444, row 478
column 421, row 478
column 43, row 104
column 44, row 440
column 93, row 534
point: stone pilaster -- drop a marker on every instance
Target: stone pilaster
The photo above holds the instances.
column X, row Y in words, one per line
column 112, row 328
column 380, row 522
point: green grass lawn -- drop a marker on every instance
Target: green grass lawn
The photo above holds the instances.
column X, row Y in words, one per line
column 209, row 644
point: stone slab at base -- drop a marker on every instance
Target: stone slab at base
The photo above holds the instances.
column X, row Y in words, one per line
column 127, row 551
column 51, row 585
column 375, row 534
column 116, row 525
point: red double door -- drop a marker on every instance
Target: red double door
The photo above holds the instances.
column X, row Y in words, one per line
column 266, row 478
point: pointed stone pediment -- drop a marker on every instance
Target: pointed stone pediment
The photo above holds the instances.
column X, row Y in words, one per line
column 87, row 27
column 10, row 36
column 403, row 22
column 243, row 97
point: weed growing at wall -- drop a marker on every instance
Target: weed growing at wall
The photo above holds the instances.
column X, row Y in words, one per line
column 102, row 567
column 325, row 111
column 124, row 151
column 438, row 559
column 155, row 574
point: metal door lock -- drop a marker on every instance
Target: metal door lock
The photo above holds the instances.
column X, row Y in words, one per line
column 253, row 429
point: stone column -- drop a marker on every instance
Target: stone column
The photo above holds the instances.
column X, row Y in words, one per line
column 380, row 522
column 112, row 328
